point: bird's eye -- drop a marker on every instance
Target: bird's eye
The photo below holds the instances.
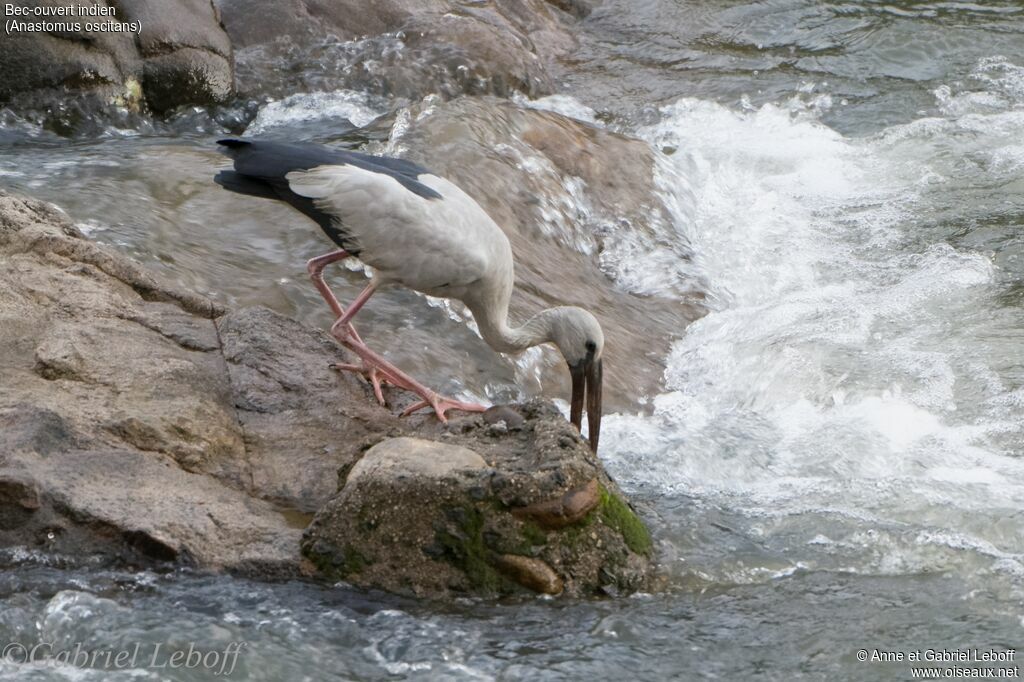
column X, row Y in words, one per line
column 591, row 346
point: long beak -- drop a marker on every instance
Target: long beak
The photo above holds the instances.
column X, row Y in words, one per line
column 586, row 383
column 594, row 376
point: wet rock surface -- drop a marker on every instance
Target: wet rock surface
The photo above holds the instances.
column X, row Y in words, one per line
column 143, row 424
column 397, row 48
column 472, row 513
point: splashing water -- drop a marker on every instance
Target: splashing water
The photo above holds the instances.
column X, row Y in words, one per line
column 858, row 362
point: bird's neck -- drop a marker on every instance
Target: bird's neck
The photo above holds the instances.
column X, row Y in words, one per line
column 493, row 325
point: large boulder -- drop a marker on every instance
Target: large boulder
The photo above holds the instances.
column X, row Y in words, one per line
column 398, row 48
column 123, row 431
column 131, row 506
column 179, row 55
column 511, row 501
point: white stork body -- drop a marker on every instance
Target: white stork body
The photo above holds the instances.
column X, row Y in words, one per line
column 422, row 232
column 449, row 248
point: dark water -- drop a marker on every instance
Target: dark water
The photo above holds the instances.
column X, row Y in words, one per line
column 835, row 462
column 297, row 632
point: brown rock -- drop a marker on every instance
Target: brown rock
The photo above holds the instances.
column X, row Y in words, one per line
column 119, row 431
column 565, row 510
column 436, row 518
column 531, row 573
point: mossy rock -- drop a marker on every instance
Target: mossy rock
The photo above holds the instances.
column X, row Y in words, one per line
column 443, row 517
column 616, row 513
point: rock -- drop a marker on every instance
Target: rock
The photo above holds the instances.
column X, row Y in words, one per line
column 186, row 76
column 397, row 48
column 502, row 414
column 531, row 573
column 564, row 511
column 118, row 431
column 143, row 509
column 438, row 518
column 301, row 421
column 97, row 352
column 181, row 56
column 423, row 459
column 578, row 8
column 556, row 186
column 186, row 54
column 141, row 424
column 19, row 500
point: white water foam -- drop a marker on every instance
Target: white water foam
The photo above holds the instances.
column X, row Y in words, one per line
column 566, row 105
column 854, row 362
column 347, row 104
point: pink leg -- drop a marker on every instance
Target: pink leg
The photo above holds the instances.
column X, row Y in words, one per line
column 316, row 266
column 441, row 404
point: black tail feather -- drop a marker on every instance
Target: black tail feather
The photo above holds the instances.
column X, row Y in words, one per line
column 232, row 143
column 244, row 184
column 262, row 168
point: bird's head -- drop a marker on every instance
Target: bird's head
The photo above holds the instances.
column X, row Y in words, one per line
column 579, row 337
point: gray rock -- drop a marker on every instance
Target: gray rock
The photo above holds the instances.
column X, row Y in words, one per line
column 398, row 48
column 186, row 76
column 182, row 56
column 433, row 519
column 301, row 421
column 140, row 507
column 67, row 61
column 578, row 8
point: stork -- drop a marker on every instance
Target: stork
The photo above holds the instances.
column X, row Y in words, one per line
column 420, row 231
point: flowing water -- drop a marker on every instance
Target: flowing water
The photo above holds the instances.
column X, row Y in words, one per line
column 837, row 460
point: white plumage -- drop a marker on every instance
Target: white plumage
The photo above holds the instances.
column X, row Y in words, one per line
column 437, row 247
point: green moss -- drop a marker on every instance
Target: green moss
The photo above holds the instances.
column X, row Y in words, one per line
column 616, row 514
column 465, row 548
column 354, row 562
column 528, row 536
column 334, row 563
column 534, row 534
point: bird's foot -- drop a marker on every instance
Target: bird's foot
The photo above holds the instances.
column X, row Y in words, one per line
column 377, row 369
column 371, row 373
column 442, row 404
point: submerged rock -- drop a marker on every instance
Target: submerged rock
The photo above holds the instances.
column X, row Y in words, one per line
column 474, row 512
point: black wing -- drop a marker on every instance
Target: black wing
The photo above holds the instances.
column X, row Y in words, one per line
column 261, row 167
